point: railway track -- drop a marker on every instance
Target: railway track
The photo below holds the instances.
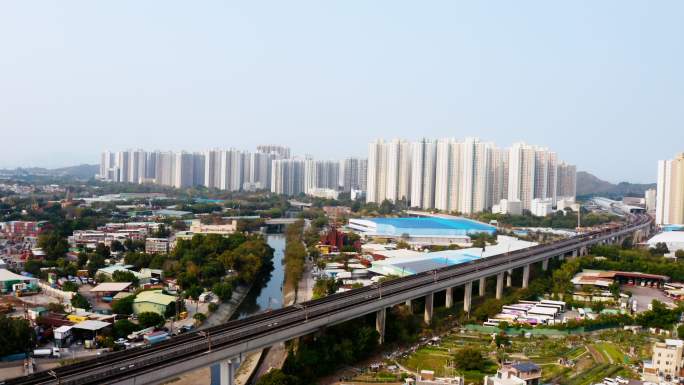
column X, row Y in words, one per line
column 124, row 364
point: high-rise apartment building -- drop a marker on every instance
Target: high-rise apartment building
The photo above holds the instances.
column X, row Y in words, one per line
column 353, row 174
column 650, row 198
column 545, row 177
column 423, row 158
column 377, row 165
column 467, row 176
column 184, row 169
column 136, row 166
column 287, row 176
column 212, row 169
column 231, row 170
column 521, row 173
column 498, row 176
column 259, row 171
column 670, row 191
column 567, row 181
column 475, row 176
column 107, row 165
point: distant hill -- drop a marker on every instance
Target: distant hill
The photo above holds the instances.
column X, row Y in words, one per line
column 82, row 171
column 590, row 185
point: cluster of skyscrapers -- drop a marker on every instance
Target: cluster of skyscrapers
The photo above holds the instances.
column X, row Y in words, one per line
column 670, row 191
column 268, row 168
column 466, row 176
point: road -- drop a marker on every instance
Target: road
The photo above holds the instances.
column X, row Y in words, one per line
column 196, row 349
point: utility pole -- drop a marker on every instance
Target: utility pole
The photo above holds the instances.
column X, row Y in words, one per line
column 579, row 210
column 206, row 334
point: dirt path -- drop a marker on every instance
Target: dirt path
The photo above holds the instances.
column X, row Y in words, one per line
column 598, row 357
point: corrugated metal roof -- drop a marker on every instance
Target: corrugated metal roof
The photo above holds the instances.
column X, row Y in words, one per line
column 154, row 296
column 108, row 287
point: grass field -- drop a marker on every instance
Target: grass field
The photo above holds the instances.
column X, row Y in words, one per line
column 592, row 356
column 611, row 353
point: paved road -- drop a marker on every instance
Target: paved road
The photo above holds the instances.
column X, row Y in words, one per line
column 645, row 295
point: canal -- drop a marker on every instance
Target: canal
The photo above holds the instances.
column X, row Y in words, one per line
column 269, row 295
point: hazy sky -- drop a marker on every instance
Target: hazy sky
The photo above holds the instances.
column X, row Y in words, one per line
column 599, row 82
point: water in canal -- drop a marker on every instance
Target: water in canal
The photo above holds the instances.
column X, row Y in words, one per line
column 268, row 296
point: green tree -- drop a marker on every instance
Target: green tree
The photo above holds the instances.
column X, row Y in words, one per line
column 123, row 305
column 70, row 286
column 224, row 290
column 201, row 317
column 33, row 266
column 17, row 336
column 679, row 254
column 102, row 251
column 148, row 319
column 469, row 358
column 487, row 309
column 401, row 244
column 194, row 292
column 54, row 245
column 615, row 289
column 95, row 262
column 386, row 207
column 502, row 340
column 324, row 287
column 277, row 377
column 116, row 246
column 123, row 327
column 80, row 302
column 562, row 277
column 125, row 276
column 56, row 308
column 659, row 249
column 658, row 317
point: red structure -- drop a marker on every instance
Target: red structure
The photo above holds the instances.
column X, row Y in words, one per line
column 23, row 228
column 334, row 238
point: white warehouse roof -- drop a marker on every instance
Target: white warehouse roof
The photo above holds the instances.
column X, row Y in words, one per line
column 673, row 239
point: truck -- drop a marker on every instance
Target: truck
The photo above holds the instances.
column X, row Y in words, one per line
column 47, row 352
column 139, row 334
column 153, row 338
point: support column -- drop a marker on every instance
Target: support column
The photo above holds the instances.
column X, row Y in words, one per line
column 227, row 372
column 499, row 285
column 408, row 305
column 427, row 316
column 509, row 278
column 483, row 286
column 574, row 253
column 449, row 301
column 380, row 316
column 545, row 264
column 467, row 297
column 526, row 276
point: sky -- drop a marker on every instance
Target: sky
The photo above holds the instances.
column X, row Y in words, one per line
column 599, row 82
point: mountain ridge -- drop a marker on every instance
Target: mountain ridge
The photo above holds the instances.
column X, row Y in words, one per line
column 590, row 185
column 81, row 171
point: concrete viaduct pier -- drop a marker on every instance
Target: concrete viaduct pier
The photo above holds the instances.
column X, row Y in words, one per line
column 226, row 344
